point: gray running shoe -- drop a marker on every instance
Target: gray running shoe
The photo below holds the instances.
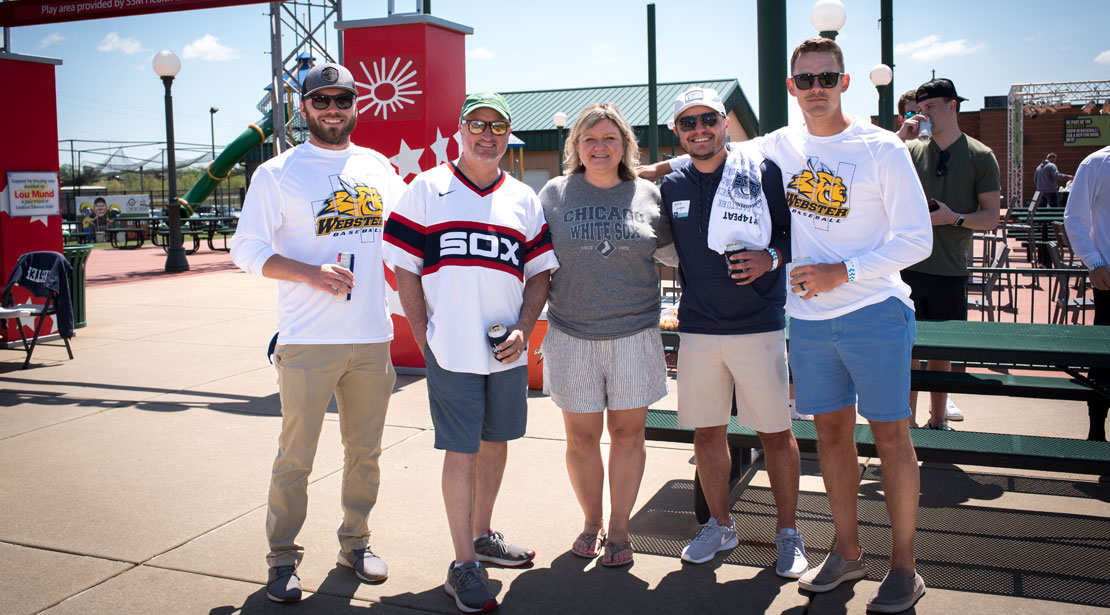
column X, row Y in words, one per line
column 494, row 549
column 944, row 426
column 792, row 560
column 283, row 585
column 368, row 567
column 832, row 572
column 711, row 539
column 466, row 585
column 898, row 592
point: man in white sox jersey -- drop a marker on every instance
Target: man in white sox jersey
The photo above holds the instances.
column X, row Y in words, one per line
column 303, row 208
column 471, row 249
column 859, row 213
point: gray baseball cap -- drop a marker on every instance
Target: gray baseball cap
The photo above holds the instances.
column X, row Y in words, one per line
column 328, row 75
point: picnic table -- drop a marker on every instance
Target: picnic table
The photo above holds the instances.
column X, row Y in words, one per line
column 1067, row 348
column 130, row 231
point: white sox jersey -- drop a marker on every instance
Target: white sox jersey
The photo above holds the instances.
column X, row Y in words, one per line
column 473, row 248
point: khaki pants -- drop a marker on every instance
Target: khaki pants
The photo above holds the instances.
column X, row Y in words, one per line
column 361, row 377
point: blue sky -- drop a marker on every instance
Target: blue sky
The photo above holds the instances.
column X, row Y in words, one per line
column 107, row 89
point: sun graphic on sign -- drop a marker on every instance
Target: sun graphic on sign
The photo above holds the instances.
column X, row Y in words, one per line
column 390, row 88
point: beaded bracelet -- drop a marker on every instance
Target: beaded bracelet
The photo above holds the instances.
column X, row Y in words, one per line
column 774, row 259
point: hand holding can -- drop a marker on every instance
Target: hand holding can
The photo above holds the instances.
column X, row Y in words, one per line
column 346, row 260
column 735, row 247
column 801, row 261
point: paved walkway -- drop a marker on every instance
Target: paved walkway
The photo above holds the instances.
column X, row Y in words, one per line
column 134, row 481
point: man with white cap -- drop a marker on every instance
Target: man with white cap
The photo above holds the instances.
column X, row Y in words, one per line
column 732, row 323
column 304, row 208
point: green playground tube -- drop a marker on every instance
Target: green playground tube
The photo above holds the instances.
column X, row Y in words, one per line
column 220, row 168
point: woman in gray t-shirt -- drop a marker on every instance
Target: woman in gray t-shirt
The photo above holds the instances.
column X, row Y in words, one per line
column 603, row 349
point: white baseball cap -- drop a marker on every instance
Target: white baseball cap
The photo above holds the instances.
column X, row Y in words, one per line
column 693, row 97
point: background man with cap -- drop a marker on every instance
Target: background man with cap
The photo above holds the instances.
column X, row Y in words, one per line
column 733, row 339
column 303, row 208
column 1047, row 178
column 471, row 249
column 960, row 178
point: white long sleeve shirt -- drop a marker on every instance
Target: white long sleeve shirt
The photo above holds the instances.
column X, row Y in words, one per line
column 1087, row 216
column 309, row 204
column 853, row 196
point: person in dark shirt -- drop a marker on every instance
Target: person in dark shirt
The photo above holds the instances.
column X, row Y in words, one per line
column 733, row 339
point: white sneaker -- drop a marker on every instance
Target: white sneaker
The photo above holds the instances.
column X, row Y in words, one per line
column 792, row 562
column 952, row 413
column 710, row 540
column 794, row 416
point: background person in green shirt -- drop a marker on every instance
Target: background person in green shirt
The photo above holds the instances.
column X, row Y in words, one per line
column 960, row 178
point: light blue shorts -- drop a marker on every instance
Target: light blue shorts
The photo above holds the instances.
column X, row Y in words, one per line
column 864, row 354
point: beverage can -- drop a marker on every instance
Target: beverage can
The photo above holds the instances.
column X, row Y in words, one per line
column 801, row 261
column 345, row 259
column 496, row 334
column 735, row 247
column 925, row 128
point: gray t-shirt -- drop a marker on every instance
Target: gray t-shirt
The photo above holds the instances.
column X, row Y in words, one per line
column 607, row 285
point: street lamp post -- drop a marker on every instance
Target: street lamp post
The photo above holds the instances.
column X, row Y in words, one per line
column 167, row 65
column 881, row 76
column 212, row 125
column 560, row 120
column 828, row 16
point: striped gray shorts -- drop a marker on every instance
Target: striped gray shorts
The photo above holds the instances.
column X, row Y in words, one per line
column 591, row 375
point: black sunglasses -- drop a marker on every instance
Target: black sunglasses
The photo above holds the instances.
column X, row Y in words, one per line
column 477, row 127
column 805, row 81
column 321, row 102
column 942, row 167
column 690, row 122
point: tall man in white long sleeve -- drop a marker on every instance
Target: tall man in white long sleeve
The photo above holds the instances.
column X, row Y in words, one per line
column 303, row 208
column 1087, row 220
column 858, row 211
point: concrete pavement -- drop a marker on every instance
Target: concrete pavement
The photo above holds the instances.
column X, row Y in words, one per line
column 134, row 481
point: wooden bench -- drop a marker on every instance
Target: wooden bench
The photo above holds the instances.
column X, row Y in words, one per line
column 958, row 447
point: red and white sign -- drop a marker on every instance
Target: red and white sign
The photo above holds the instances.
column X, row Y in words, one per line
column 32, row 12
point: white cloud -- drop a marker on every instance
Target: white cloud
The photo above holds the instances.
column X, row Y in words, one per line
column 51, row 39
column 1103, row 58
column 210, row 48
column 113, row 42
column 481, row 53
column 1030, row 39
column 602, row 54
column 932, row 48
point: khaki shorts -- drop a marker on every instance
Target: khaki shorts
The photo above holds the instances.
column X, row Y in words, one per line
column 710, row 365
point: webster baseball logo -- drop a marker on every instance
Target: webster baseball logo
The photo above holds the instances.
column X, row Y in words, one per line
column 352, row 207
column 819, row 192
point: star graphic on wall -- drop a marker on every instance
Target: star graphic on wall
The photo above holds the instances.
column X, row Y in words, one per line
column 407, row 160
column 440, row 147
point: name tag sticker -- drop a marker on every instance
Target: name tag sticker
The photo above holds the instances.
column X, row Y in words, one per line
column 680, row 209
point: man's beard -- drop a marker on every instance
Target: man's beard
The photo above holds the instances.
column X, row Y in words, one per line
column 331, row 135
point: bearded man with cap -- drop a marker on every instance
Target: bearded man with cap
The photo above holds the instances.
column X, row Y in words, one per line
column 960, row 178
column 304, row 208
column 733, row 323
column 471, row 249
